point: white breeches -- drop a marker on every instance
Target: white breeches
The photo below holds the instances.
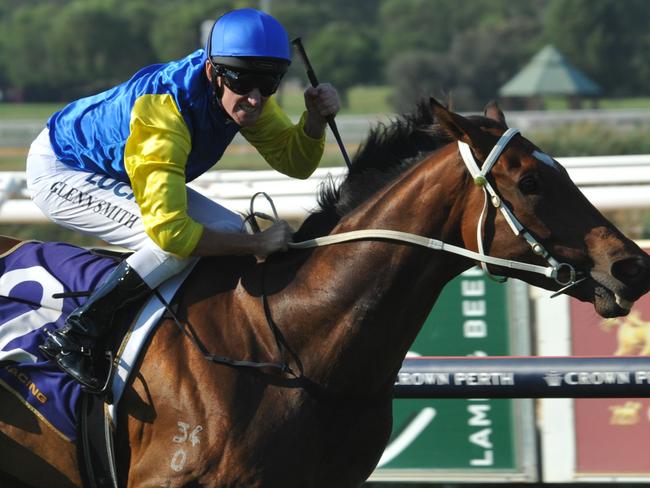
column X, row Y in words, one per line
column 100, row 206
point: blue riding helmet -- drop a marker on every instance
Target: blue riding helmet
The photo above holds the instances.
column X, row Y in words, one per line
column 249, row 39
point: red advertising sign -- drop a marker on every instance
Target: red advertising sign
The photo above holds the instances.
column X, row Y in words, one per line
column 612, row 435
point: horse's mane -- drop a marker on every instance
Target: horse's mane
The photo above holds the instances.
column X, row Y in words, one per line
column 387, row 152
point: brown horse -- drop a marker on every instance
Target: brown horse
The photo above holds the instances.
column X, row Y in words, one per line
column 342, row 317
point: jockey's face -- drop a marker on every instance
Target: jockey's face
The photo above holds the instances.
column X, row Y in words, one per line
column 245, row 108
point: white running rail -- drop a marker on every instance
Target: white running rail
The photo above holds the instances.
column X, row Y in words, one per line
column 610, row 182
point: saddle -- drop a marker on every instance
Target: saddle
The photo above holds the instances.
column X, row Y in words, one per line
column 40, row 284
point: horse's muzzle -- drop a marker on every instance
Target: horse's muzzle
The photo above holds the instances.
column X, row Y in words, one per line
column 634, row 273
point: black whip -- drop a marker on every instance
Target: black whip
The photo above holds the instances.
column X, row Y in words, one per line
column 300, row 49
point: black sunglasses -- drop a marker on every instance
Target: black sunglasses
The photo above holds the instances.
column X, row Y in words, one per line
column 244, row 82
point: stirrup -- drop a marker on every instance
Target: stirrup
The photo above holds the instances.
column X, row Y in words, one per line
column 105, row 390
column 98, row 388
column 51, row 346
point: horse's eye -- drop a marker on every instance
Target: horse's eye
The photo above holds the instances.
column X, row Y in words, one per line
column 528, row 184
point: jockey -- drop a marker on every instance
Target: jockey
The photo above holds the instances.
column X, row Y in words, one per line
column 115, row 166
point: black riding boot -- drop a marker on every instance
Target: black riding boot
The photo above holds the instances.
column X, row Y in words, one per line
column 73, row 345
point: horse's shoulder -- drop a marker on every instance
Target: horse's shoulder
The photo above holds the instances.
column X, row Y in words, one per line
column 215, row 276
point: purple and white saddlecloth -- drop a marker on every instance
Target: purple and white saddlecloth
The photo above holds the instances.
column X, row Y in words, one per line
column 30, row 275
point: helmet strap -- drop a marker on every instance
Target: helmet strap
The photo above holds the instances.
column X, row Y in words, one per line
column 217, row 94
column 217, row 91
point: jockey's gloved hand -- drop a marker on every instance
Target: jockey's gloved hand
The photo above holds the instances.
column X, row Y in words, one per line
column 321, row 102
column 275, row 238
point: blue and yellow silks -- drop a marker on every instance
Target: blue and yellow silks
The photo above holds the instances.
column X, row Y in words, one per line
column 159, row 130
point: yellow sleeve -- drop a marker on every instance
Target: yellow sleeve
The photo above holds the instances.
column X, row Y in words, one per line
column 283, row 145
column 154, row 158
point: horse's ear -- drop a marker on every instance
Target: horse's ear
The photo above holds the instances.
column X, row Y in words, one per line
column 492, row 111
column 459, row 127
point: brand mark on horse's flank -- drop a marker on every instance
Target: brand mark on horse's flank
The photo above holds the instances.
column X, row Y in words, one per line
column 179, row 457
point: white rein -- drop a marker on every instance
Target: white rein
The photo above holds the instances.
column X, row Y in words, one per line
column 480, row 179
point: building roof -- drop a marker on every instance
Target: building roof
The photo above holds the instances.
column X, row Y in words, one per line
column 549, row 73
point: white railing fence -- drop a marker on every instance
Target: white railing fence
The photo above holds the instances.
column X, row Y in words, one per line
column 609, row 182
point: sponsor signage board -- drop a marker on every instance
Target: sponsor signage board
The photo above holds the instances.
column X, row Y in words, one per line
column 599, row 440
column 612, row 436
column 465, row 439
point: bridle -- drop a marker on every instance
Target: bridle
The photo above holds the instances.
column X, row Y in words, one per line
column 490, row 194
column 479, row 174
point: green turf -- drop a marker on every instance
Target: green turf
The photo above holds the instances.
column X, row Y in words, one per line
column 561, row 103
column 28, row 111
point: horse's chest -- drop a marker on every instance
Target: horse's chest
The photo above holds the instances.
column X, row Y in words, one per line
column 320, row 446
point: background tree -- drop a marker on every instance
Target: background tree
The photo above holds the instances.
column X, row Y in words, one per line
column 607, row 39
column 469, row 72
column 343, row 56
column 177, row 27
column 417, row 74
column 30, row 70
column 422, row 25
column 62, row 49
column 95, row 48
column 304, row 19
column 483, row 59
column 339, row 37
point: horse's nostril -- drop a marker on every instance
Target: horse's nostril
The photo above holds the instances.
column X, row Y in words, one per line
column 629, row 270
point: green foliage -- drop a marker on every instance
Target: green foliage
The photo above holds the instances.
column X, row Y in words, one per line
column 423, row 25
column 433, row 25
column 418, row 74
column 92, row 40
column 30, row 69
column 476, row 52
column 52, row 50
column 607, row 39
column 345, row 56
column 177, row 26
column 460, row 73
column 305, row 19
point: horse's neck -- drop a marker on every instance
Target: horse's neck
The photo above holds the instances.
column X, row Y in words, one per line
column 370, row 298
